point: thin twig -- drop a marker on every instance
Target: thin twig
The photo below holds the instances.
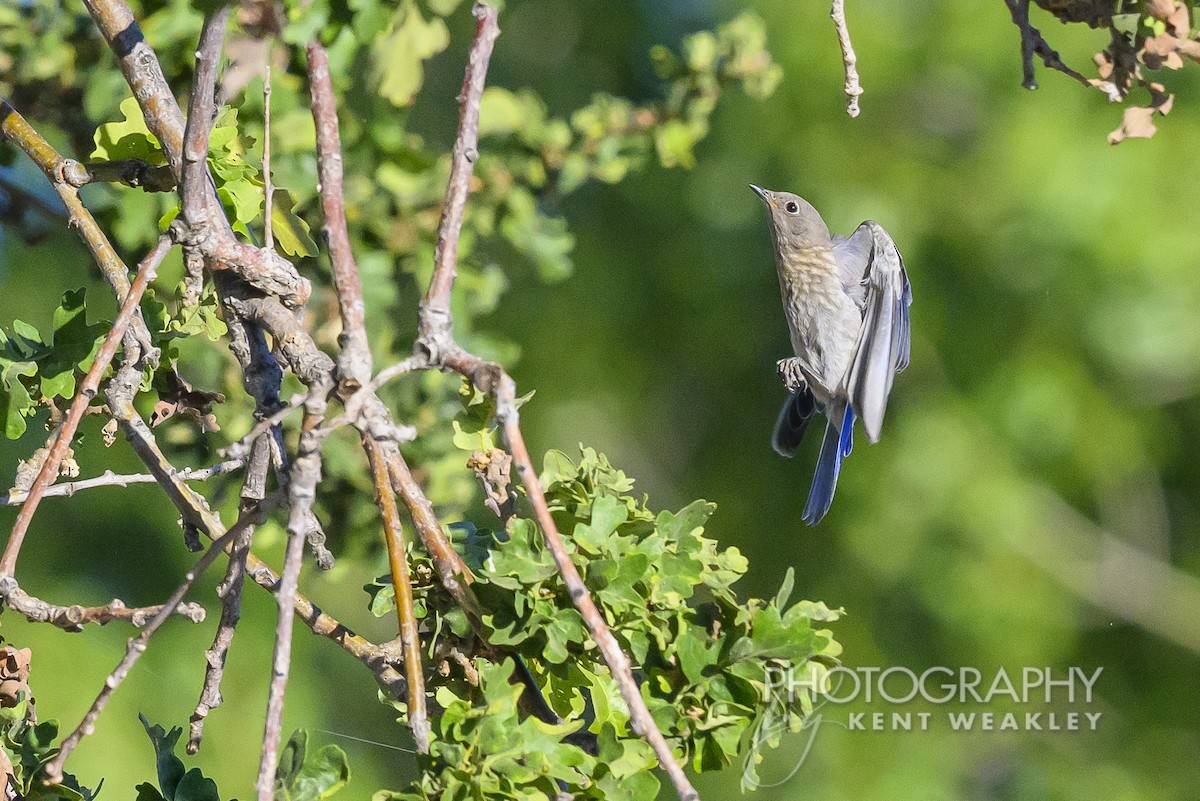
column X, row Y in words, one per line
column 131, row 172
column 305, row 474
column 1032, row 43
column 135, row 648
column 639, row 715
column 111, row 479
column 87, row 390
column 435, row 308
column 194, row 189
column 852, row 88
column 268, row 188
column 75, row 617
column 230, row 593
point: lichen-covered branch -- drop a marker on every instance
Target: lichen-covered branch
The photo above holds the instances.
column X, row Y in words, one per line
column 111, row 479
column 853, row 87
column 75, row 617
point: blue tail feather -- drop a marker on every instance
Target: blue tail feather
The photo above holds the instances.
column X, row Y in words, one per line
column 836, row 445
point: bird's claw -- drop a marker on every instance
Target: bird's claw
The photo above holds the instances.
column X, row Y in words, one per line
column 791, row 372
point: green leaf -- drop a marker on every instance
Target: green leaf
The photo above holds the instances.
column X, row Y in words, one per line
column 127, row 139
column 148, row 792
column 302, row 776
column 170, row 767
column 290, row 230
column 15, row 401
column 194, row 786
column 398, row 55
column 75, row 345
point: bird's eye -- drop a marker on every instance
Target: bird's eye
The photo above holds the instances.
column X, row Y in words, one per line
column 791, row 207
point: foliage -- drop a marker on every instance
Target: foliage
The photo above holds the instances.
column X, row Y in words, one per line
column 1144, row 39
column 301, row 776
column 28, row 745
column 701, row 653
column 34, row 371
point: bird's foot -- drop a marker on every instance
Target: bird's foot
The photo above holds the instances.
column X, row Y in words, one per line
column 792, row 373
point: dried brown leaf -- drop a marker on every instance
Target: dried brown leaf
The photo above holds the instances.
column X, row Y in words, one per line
column 177, row 396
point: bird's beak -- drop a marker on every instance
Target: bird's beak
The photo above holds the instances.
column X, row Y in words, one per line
column 764, row 194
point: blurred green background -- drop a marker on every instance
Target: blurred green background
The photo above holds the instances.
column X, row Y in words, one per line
column 1034, row 500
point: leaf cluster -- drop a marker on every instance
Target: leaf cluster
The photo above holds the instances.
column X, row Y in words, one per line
column 701, row 653
column 28, row 745
column 34, row 369
column 301, row 775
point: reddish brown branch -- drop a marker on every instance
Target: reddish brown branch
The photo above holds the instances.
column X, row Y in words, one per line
column 354, row 363
column 435, row 308
column 354, row 371
column 87, row 390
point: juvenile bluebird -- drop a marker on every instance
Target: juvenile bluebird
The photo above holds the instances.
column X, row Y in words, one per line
column 846, row 302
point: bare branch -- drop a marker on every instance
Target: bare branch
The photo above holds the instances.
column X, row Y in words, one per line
column 143, row 74
column 639, row 715
column 305, row 474
column 418, row 718
column 87, row 390
column 111, row 479
column 853, row 88
column 195, row 191
column 131, row 172
column 436, row 343
column 354, row 363
column 230, row 593
column 354, row 370
column 268, row 188
column 75, row 617
column 435, row 308
column 135, row 648
column 1032, row 44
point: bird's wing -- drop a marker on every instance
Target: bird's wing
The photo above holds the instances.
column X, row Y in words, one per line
column 883, row 341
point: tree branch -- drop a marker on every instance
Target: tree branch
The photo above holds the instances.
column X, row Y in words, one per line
column 74, row 618
column 87, row 390
column 111, row 479
column 354, row 371
column 849, row 61
column 135, row 648
column 435, row 343
column 230, row 592
column 435, row 308
column 66, row 175
column 194, row 190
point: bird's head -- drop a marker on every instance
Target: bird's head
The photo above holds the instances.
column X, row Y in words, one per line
column 794, row 221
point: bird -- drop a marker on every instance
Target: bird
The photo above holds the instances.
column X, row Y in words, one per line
column 846, row 300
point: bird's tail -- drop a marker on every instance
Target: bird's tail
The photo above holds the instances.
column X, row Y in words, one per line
column 792, row 421
column 838, row 442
